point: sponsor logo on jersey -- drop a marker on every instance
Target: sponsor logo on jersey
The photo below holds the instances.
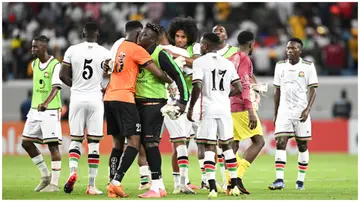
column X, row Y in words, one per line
column 46, row 74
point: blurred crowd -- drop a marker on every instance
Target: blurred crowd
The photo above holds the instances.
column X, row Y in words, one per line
column 329, row 30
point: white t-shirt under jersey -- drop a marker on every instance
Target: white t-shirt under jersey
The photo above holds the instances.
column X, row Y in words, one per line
column 85, row 60
column 294, row 81
column 216, row 74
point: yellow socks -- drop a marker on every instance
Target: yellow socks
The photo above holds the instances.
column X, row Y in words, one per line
column 242, row 167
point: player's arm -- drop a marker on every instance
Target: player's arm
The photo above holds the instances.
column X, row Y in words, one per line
column 197, row 79
column 150, row 65
column 173, row 70
column 189, row 61
column 66, row 67
column 277, row 92
column 65, row 74
column 56, row 86
column 143, row 58
column 313, row 84
column 236, row 83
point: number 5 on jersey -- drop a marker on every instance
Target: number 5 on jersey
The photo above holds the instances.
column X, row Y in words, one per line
column 88, row 71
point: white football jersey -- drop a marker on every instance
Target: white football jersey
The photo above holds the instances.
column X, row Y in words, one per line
column 216, row 74
column 87, row 75
column 294, row 81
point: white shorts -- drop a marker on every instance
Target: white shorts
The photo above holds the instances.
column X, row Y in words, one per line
column 89, row 115
column 178, row 129
column 43, row 131
column 213, row 129
column 196, row 117
column 193, row 126
column 285, row 126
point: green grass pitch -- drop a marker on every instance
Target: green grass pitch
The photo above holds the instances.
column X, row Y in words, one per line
column 329, row 176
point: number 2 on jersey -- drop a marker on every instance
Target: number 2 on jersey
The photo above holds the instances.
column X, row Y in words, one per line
column 221, row 83
column 88, row 71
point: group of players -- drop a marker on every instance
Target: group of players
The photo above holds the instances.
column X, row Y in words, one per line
column 164, row 79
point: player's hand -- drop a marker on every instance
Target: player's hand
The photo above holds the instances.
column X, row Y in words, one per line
column 174, row 55
column 190, row 114
column 106, row 65
column 252, row 120
column 42, row 107
column 181, row 106
column 304, row 115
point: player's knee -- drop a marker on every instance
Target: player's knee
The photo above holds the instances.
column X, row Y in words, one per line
column 151, row 144
column 225, row 147
column 281, row 144
column 118, row 142
column 259, row 141
column 302, row 146
column 210, row 147
column 201, row 150
column 235, row 146
column 53, row 147
column 134, row 141
column 26, row 144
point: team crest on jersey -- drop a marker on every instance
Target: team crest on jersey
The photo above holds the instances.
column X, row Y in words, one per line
column 46, row 74
column 301, row 74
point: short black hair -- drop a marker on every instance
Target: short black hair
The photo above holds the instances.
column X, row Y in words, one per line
column 154, row 27
column 188, row 25
column 132, row 25
column 42, row 38
column 91, row 27
column 245, row 37
column 297, row 40
column 211, row 38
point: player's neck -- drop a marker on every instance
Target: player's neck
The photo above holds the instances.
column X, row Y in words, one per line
column 294, row 61
column 150, row 48
column 131, row 39
column 91, row 40
column 244, row 50
column 222, row 45
column 44, row 58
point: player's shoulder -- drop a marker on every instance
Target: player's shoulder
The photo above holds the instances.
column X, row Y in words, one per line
column 281, row 62
column 102, row 48
column 306, row 62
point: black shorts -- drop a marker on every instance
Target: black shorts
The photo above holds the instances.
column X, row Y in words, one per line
column 122, row 118
column 151, row 122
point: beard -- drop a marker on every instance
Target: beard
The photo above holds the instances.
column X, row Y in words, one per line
column 34, row 56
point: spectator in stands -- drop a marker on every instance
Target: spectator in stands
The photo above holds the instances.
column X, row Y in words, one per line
column 25, row 106
column 334, row 57
column 273, row 21
column 262, row 63
column 342, row 108
column 353, row 46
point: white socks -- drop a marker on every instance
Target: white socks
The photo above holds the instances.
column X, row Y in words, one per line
column 40, row 163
